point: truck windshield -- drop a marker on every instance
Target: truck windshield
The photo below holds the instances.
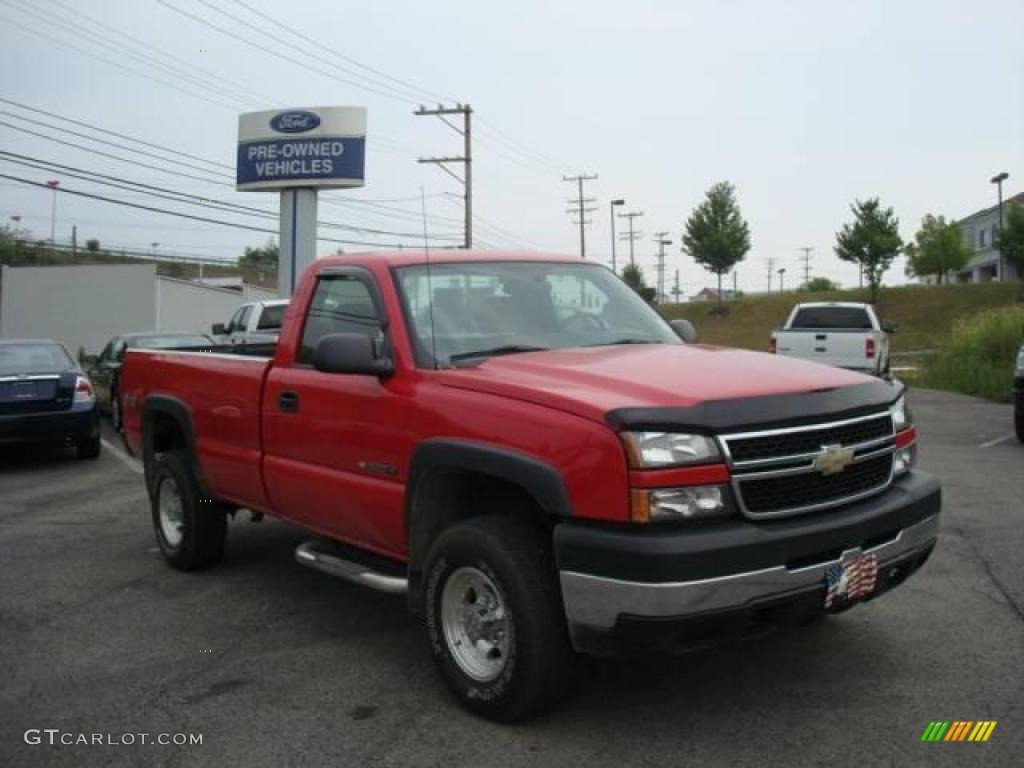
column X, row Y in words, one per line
column 820, row 318
column 470, row 311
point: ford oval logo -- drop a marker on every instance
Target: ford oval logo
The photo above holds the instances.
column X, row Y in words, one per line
column 297, row 121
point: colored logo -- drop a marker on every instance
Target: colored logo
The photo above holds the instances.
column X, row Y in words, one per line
column 296, row 121
column 959, row 730
column 833, row 459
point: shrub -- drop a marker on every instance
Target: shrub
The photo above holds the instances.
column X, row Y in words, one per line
column 980, row 357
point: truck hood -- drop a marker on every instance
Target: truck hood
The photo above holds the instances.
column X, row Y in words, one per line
column 594, row 381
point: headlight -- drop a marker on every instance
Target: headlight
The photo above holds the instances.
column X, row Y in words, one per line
column 901, row 417
column 648, row 450
column 687, row 503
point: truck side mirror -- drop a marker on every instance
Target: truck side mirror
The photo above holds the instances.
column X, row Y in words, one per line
column 350, row 353
column 890, row 327
column 684, row 330
column 218, row 329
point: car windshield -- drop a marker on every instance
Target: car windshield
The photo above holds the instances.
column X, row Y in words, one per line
column 170, row 341
column 467, row 312
column 832, row 317
column 33, row 358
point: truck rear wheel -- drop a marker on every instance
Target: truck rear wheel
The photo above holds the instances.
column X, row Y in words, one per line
column 495, row 620
column 189, row 529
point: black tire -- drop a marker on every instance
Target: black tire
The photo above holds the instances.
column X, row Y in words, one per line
column 201, row 525
column 1018, row 415
column 537, row 667
column 88, row 448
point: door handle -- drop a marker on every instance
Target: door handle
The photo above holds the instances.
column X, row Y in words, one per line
column 288, row 401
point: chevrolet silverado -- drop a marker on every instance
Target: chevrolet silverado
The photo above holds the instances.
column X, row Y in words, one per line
column 538, row 461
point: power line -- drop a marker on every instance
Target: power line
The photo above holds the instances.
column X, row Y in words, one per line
column 179, row 214
column 185, row 197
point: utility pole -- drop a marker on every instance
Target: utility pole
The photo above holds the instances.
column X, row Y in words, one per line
column 53, row 184
column 581, row 210
column 632, row 236
column 466, row 180
column 806, row 259
column 771, row 268
column 74, row 243
column 611, row 207
column 659, row 238
column 676, row 290
column 998, row 180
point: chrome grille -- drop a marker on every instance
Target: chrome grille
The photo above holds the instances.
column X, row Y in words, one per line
column 776, row 472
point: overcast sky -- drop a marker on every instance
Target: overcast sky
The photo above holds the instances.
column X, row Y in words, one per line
column 804, row 106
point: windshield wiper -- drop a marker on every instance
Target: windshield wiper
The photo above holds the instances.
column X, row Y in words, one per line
column 508, row 349
column 626, row 341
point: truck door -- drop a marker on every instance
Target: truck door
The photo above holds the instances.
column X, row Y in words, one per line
column 333, row 442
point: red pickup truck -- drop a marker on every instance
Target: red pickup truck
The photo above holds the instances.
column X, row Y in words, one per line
column 539, row 461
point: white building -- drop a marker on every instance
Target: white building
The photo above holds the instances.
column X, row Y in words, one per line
column 979, row 230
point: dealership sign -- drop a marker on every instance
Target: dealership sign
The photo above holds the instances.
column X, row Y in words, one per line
column 315, row 147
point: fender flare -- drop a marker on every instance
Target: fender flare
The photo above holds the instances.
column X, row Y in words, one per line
column 538, row 479
column 176, row 409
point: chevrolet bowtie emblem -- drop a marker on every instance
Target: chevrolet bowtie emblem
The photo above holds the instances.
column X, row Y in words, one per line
column 833, row 459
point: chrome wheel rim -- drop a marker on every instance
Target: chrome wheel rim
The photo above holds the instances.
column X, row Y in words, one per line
column 475, row 623
column 172, row 513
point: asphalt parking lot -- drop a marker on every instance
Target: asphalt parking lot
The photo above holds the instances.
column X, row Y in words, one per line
column 277, row 665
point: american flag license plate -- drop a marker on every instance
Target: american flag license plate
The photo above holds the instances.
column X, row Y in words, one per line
column 850, row 581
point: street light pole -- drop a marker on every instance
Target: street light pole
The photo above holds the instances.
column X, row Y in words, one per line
column 611, row 209
column 998, row 180
column 782, row 277
column 53, row 184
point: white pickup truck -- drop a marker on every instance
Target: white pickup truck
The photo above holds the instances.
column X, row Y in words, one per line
column 256, row 322
column 842, row 334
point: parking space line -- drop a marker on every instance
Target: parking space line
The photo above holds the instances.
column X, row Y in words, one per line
column 127, row 460
column 997, row 441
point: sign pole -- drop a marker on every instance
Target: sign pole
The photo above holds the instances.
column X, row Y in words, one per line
column 298, row 237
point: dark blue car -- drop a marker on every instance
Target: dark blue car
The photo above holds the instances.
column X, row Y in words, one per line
column 46, row 398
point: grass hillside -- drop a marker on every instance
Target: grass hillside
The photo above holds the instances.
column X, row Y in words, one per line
column 926, row 315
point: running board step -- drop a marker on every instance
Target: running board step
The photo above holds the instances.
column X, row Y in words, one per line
column 312, row 554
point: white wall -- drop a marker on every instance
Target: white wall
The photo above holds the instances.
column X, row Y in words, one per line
column 185, row 306
column 79, row 306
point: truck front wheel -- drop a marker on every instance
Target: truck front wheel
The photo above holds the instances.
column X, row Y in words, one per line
column 495, row 620
column 189, row 529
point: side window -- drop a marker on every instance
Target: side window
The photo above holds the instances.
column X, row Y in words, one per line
column 243, row 320
column 236, row 320
column 271, row 318
column 108, row 351
column 119, row 349
column 341, row 304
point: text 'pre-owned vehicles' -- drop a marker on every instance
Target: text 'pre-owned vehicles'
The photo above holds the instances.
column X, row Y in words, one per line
column 46, row 398
column 843, row 334
column 256, row 322
column 104, row 369
column 529, row 452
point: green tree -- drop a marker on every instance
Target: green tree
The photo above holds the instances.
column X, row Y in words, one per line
column 871, row 241
column 818, row 285
column 939, row 248
column 1010, row 240
column 716, row 235
column 263, row 259
column 633, row 276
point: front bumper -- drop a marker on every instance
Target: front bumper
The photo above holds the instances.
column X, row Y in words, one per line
column 682, row 589
column 79, row 422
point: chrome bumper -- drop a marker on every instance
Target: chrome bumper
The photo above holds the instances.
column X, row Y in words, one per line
column 597, row 602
